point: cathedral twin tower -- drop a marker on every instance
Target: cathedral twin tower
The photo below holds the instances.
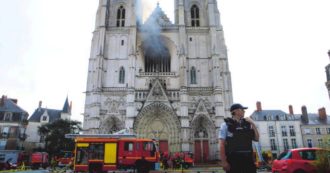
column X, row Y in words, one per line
column 163, row 80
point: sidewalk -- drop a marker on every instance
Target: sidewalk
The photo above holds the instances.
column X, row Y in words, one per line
column 192, row 170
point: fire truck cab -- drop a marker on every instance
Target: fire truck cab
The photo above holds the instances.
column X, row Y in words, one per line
column 102, row 153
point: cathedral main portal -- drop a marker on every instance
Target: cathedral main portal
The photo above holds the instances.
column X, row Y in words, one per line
column 158, row 121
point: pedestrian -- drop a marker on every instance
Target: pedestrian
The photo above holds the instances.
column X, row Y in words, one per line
column 142, row 165
column 236, row 136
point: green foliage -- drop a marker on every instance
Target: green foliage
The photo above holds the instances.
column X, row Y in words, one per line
column 55, row 135
column 267, row 156
column 322, row 162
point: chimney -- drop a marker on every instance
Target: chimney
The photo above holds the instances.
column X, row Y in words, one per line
column 2, row 102
column 304, row 114
column 290, row 110
column 39, row 107
column 259, row 106
column 322, row 114
column 14, row 100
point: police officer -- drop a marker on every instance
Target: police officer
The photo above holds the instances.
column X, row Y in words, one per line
column 236, row 136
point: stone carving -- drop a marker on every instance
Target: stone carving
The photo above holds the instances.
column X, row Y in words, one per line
column 111, row 125
column 157, row 92
column 114, row 106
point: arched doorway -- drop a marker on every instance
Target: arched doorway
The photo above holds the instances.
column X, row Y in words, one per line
column 203, row 131
column 158, row 121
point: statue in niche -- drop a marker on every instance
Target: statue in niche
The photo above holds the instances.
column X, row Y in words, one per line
column 157, row 91
column 201, row 133
column 201, row 109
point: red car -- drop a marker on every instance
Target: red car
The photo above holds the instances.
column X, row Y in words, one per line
column 298, row 160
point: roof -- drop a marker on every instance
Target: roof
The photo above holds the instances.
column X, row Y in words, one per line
column 11, row 106
column 158, row 16
column 52, row 113
column 272, row 115
column 314, row 119
column 66, row 107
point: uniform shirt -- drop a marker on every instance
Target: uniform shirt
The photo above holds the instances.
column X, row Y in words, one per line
column 223, row 133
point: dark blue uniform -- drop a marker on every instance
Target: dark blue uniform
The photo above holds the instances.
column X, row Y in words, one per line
column 238, row 146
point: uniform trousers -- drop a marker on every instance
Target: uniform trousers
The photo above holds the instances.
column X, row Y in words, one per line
column 242, row 162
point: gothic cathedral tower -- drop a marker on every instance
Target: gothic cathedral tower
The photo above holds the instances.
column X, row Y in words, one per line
column 163, row 80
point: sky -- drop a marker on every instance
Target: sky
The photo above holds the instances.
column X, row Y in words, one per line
column 277, row 51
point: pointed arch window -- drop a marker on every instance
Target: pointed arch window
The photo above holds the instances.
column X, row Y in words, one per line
column 193, row 76
column 121, row 16
column 122, row 75
column 194, row 11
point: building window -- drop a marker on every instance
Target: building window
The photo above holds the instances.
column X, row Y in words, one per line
column 284, row 132
column 128, row 146
column 194, row 16
column 320, row 142
column 193, row 75
column 5, row 132
column 318, row 131
column 273, row 145
column 42, row 139
column 13, row 132
column 22, row 132
column 328, row 130
column 122, row 42
column 7, row 116
column 121, row 75
column 294, row 143
column 271, row 131
column 2, row 115
column 309, row 143
column 269, row 118
column 121, row 16
column 307, row 131
column 2, row 147
column 44, row 118
column 292, row 131
column 286, row 144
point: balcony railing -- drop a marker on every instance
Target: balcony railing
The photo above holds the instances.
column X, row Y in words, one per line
column 155, row 74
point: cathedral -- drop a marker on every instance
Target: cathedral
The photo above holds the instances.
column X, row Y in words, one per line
column 165, row 80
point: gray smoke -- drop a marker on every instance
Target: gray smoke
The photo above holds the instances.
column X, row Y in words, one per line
column 156, row 54
column 154, row 45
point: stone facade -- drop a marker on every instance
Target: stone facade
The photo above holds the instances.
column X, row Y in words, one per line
column 163, row 80
column 279, row 131
column 315, row 128
column 13, row 122
column 40, row 117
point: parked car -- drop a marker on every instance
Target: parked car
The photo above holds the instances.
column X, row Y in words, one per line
column 298, row 160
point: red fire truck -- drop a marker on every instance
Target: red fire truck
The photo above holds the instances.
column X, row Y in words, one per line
column 104, row 152
column 39, row 159
column 65, row 158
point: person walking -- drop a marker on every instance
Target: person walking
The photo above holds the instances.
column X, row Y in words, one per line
column 236, row 136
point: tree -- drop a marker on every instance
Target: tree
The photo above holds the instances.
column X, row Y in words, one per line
column 322, row 162
column 55, row 135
